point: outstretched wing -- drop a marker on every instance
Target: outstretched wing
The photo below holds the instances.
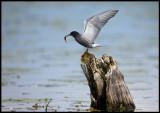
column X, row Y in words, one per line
column 93, row 25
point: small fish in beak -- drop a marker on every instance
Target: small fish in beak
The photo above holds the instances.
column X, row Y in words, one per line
column 65, row 38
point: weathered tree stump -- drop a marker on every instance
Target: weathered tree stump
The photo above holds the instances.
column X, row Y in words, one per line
column 107, row 86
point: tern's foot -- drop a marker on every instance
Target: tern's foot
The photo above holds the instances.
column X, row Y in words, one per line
column 86, row 50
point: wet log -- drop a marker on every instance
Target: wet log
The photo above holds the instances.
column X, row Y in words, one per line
column 108, row 91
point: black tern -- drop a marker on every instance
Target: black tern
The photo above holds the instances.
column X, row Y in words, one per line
column 92, row 27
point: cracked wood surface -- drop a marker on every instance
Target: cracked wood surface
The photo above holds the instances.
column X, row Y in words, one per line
column 108, row 90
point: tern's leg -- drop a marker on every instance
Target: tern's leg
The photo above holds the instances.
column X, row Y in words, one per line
column 87, row 50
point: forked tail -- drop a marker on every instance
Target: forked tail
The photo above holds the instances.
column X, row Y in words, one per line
column 96, row 45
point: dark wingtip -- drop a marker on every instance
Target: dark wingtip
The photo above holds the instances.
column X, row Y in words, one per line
column 116, row 10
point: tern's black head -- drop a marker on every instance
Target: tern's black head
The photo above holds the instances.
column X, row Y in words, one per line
column 74, row 33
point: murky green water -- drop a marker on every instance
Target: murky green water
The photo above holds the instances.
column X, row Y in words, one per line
column 37, row 65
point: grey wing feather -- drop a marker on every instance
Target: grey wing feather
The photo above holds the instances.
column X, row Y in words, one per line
column 93, row 25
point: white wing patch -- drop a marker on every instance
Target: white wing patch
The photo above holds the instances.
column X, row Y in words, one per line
column 90, row 32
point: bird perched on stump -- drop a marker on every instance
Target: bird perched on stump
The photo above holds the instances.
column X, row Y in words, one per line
column 92, row 27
